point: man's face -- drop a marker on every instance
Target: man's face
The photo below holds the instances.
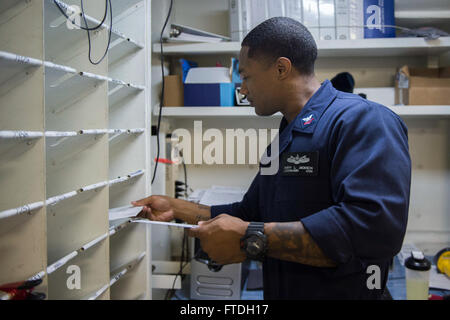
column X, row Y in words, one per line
column 259, row 83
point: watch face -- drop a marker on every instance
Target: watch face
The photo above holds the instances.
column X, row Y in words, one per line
column 255, row 246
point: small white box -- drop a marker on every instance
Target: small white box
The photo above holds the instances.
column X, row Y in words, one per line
column 327, row 20
column 258, row 12
column 276, row 8
column 208, row 75
column 294, row 9
column 342, row 19
column 382, row 95
column 356, row 19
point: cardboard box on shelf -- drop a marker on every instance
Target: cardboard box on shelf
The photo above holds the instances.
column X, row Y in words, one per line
column 422, row 86
column 173, row 91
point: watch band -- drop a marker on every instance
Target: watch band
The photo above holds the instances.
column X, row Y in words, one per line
column 254, row 242
column 255, row 226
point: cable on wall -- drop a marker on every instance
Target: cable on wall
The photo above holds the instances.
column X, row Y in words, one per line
column 89, row 29
column 161, row 103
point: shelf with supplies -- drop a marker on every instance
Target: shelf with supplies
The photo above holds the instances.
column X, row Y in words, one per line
column 328, row 48
column 239, row 112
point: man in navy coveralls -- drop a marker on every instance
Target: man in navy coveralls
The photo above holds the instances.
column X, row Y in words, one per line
column 327, row 223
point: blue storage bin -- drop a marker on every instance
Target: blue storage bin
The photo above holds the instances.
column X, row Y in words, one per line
column 209, row 94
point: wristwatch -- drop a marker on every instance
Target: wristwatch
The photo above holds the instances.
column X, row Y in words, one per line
column 254, row 242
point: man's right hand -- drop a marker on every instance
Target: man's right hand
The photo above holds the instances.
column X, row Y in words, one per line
column 157, row 208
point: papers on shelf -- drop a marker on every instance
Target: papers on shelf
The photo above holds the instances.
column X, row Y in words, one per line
column 124, row 212
column 179, row 33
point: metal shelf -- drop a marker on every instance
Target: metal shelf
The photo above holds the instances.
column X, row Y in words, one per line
column 59, row 198
column 119, row 90
column 64, row 145
column 387, row 47
column 239, row 112
column 61, row 262
column 116, row 135
column 12, row 65
column 64, row 84
column 119, row 272
column 26, row 209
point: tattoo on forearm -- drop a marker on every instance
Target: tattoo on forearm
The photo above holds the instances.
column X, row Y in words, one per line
column 203, row 207
column 290, row 241
column 200, row 218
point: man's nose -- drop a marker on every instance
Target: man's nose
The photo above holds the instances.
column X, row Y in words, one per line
column 244, row 90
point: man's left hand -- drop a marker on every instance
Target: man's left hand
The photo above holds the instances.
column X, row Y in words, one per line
column 220, row 238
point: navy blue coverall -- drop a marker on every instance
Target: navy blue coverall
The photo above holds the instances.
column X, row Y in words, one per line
column 352, row 196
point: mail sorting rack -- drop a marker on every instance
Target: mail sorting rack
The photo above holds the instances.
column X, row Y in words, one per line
column 73, row 143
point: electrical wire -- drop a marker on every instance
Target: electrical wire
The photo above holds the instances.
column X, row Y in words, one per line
column 56, row 2
column 184, row 247
column 89, row 29
column 185, row 180
column 89, row 36
column 161, row 103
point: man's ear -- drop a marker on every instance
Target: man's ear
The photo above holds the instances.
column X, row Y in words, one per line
column 284, row 68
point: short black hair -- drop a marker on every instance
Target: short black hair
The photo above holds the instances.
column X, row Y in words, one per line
column 283, row 37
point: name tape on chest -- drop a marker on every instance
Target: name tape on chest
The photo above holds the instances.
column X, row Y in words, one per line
column 304, row 164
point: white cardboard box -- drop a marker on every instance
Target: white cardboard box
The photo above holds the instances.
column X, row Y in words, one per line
column 382, row 95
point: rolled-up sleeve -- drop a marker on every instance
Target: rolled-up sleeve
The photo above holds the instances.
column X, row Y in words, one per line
column 245, row 209
column 370, row 179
